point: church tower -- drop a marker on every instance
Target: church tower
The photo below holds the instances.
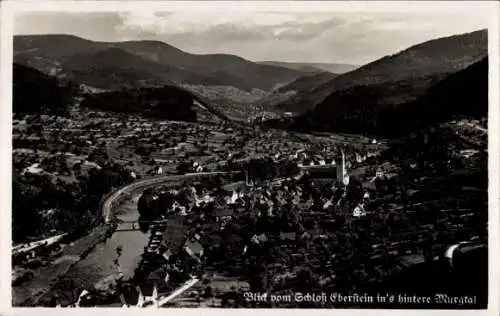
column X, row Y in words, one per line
column 342, row 177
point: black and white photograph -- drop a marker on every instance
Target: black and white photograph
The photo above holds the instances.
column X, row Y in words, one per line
column 262, row 155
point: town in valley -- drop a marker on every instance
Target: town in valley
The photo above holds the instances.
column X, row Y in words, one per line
column 147, row 176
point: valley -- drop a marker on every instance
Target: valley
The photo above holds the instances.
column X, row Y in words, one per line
column 190, row 180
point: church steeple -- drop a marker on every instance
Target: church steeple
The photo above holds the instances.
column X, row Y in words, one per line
column 342, row 177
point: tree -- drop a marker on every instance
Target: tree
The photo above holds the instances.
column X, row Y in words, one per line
column 209, row 293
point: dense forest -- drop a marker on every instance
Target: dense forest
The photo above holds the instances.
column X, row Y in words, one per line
column 438, row 57
column 167, row 102
column 35, row 92
column 464, row 93
column 41, row 204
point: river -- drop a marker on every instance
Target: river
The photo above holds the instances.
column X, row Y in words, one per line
column 98, row 266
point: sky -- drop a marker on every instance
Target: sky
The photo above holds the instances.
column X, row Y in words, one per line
column 352, row 37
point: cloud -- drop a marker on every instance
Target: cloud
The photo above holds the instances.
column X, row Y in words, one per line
column 95, row 25
column 237, row 27
column 296, row 31
column 208, row 21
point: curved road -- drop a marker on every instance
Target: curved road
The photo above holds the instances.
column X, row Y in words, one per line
column 110, row 202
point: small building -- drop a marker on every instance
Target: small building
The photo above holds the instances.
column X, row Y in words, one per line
column 167, row 254
column 370, row 184
column 158, row 170
column 259, row 239
column 387, row 170
column 194, row 249
column 359, row 211
column 379, row 173
column 223, row 216
column 288, row 236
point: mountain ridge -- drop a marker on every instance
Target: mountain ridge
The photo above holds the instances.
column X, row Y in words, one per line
column 337, row 68
column 463, row 93
column 48, row 52
column 443, row 55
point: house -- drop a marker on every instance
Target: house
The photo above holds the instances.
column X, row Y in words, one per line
column 205, row 199
column 34, row 169
column 223, row 216
column 360, row 158
column 158, row 170
column 359, row 211
column 194, row 249
column 82, row 297
column 233, row 198
column 387, row 170
column 370, row 184
column 259, row 239
column 467, row 153
column 379, row 173
column 287, row 236
column 326, row 280
column 327, row 204
column 410, row 261
column 167, row 254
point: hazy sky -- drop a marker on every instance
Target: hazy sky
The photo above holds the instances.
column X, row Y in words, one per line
column 342, row 37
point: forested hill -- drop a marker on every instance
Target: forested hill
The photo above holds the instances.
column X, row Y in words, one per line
column 406, row 74
column 464, row 93
column 35, row 92
column 167, row 102
column 133, row 62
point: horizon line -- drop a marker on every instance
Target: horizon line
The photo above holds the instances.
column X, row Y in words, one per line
column 166, row 43
column 248, row 59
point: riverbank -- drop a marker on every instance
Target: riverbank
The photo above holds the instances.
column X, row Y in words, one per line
column 31, row 292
